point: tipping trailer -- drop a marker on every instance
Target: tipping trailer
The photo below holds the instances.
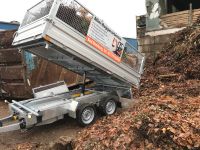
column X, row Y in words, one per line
column 66, row 33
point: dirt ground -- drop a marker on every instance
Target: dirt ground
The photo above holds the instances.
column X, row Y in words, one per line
column 41, row 136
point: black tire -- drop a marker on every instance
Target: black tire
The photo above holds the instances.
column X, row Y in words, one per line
column 83, row 111
column 106, row 108
column 22, row 124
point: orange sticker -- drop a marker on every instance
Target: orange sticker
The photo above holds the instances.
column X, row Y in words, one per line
column 102, row 49
column 47, row 38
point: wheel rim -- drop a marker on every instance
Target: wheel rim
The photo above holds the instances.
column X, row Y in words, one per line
column 87, row 115
column 110, row 107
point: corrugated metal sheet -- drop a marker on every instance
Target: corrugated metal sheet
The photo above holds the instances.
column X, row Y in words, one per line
column 132, row 42
column 8, row 26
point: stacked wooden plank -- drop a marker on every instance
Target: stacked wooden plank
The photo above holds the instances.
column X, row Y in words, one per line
column 16, row 77
column 11, row 68
column 6, row 38
column 179, row 19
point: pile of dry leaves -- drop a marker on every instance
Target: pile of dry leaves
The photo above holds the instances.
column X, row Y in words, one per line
column 166, row 115
column 175, row 72
column 181, row 55
column 161, row 123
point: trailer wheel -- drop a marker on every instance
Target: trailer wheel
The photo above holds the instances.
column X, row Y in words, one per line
column 22, row 124
column 86, row 115
column 108, row 107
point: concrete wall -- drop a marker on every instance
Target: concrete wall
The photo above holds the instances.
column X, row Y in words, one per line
column 162, row 23
column 152, row 45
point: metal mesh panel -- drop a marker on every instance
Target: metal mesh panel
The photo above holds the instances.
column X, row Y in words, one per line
column 132, row 58
column 79, row 18
column 38, row 11
column 75, row 15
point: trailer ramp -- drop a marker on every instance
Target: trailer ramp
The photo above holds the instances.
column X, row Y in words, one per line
column 68, row 34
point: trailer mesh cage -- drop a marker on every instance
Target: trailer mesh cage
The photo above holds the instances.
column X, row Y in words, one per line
column 38, row 11
column 75, row 15
column 79, row 18
column 132, row 57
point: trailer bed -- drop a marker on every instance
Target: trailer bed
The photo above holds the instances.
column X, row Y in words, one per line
column 62, row 35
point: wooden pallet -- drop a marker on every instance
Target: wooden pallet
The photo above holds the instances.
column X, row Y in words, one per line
column 179, row 19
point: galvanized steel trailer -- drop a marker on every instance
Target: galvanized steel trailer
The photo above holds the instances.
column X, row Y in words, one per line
column 60, row 31
column 68, row 34
column 53, row 102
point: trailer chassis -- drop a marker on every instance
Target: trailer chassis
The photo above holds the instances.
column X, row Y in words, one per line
column 53, row 107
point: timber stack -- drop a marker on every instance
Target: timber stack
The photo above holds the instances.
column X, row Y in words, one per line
column 20, row 72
